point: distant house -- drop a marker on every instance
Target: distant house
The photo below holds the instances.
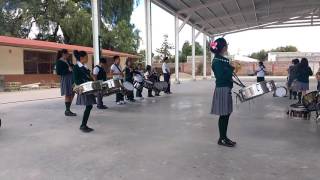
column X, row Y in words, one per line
column 32, row 61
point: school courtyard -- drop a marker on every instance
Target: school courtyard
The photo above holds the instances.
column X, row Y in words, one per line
column 172, row 137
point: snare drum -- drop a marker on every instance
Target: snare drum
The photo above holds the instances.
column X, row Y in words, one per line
column 256, row 90
column 311, row 101
column 298, row 111
column 128, row 86
column 280, row 92
column 111, row 87
column 91, row 87
column 148, row 84
column 137, row 85
column 138, row 78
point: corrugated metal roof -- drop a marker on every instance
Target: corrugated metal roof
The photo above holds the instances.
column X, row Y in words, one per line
column 220, row 17
column 44, row 45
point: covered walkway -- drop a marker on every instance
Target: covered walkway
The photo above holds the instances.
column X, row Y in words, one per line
column 170, row 137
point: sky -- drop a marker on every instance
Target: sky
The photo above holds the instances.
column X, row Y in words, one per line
column 306, row 39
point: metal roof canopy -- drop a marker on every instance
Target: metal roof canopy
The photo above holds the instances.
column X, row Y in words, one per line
column 221, row 17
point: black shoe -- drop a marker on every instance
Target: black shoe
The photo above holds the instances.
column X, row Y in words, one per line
column 157, row 94
column 86, row 129
column 225, row 142
column 232, row 142
column 150, row 95
column 69, row 113
column 102, row 107
column 132, row 100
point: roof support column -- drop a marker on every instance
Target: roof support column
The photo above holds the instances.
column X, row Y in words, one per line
column 148, row 32
column 204, row 56
column 193, row 54
column 212, row 56
column 177, row 30
column 95, row 30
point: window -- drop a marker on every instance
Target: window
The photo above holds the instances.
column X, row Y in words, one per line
column 38, row 62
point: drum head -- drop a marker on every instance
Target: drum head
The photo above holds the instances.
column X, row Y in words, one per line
column 128, row 86
column 280, row 92
column 138, row 78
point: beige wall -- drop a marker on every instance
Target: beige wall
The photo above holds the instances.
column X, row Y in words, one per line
column 11, row 60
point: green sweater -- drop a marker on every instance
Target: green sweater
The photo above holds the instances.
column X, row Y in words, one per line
column 81, row 75
column 62, row 68
column 223, row 71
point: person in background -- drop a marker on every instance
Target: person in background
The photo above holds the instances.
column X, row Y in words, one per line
column 303, row 73
column 141, row 72
column 318, row 80
column 292, row 73
column 222, row 98
column 82, row 74
column 117, row 74
column 99, row 73
column 261, row 72
column 148, row 76
column 166, row 74
column 128, row 76
column 64, row 69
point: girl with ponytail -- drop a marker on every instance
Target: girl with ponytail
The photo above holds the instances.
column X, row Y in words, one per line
column 222, row 97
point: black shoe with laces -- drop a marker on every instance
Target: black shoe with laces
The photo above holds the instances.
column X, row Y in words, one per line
column 225, row 142
column 232, row 142
column 86, row 129
column 102, row 107
column 69, row 113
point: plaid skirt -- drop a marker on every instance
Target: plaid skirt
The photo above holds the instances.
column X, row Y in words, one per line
column 222, row 103
column 66, row 85
column 86, row 100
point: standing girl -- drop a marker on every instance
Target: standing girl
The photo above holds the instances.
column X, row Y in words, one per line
column 303, row 73
column 82, row 74
column 261, row 72
column 64, row 69
column 222, row 97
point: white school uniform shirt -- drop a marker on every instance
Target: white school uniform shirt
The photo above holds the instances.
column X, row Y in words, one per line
column 96, row 70
column 260, row 72
column 116, row 69
column 165, row 68
column 80, row 64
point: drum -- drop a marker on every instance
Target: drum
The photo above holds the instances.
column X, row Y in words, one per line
column 138, row 78
column 148, row 84
column 256, row 90
column 91, row 87
column 311, row 101
column 280, row 92
column 161, row 86
column 138, row 85
column 298, row 111
column 127, row 86
column 111, row 87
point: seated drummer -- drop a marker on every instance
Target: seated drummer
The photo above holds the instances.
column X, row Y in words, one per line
column 81, row 74
column 99, row 73
column 139, row 91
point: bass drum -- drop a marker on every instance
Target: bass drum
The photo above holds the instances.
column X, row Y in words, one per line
column 148, row 84
column 280, row 92
column 311, row 101
column 138, row 78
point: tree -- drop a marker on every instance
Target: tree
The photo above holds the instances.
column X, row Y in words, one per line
column 261, row 55
column 165, row 48
column 187, row 50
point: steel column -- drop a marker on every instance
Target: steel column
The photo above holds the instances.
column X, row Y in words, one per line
column 148, row 32
column 177, row 29
column 204, row 56
column 95, row 30
column 193, row 54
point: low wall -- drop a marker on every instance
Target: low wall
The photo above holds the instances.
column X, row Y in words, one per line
column 32, row 78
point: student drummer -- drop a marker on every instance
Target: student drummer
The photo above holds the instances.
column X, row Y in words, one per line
column 99, row 73
column 117, row 74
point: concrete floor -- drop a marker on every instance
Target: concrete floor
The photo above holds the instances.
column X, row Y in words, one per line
column 167, row 138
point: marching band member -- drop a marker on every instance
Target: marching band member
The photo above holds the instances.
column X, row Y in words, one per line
column 147, row 75
column 117, row 74
column 222, row 98
column 261, row 72
column 139, row 91
column 64, row 70
column 166, row 74
column 81, row 74
column 99, row 73
column 128, row 76
column 303, row 73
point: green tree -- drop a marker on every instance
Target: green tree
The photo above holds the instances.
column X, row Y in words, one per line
column 187, row 50
column 165, row 48
column 262, row 55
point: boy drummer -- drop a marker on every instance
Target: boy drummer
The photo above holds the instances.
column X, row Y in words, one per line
column 99, row 73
